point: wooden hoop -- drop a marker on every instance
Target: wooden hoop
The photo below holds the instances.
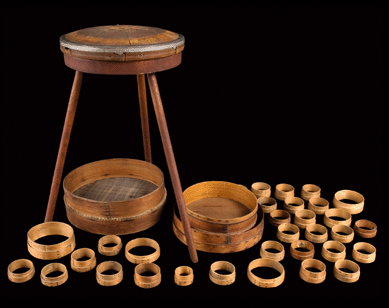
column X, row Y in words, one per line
column 343, row 238
column 368, row 257
column 302, row 255
column 183, row 276
column 142, row 241
column 276, row 256
column 267, row 204
column 351, row 195
column 222, row 279
column 20, row 277
column 283, row 191
column 304, row 218
column 288, row 238
column 278, row 217
column 147, row 282
column 54, row 281
column 346, row 276
column 109, row 251
column 261, row 189
column 314, row 238
column 293, row 204
column 309, row 191
column 83, row 266
column 313, row 277
column 334, row 212
column 365, row 228
column 333, row 256
column 318, row 205
column 262, row 282
column 109, row 280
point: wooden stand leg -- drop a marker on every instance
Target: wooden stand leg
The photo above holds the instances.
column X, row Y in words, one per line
column 63, row 147
column 171, row 162
column 144, row 117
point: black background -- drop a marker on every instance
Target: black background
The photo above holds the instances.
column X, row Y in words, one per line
column 275, row 94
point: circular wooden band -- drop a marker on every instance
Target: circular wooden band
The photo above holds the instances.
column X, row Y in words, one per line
column 313, row 277
column 222, row 279
column 283, row 191
column 333, row 256
column 278, row 217
column 55, row 251
column 330, row 222
column 288, row 238
column 346, row 276
column 302, row 255
column 109, row 280
column 142, row 241
column 309, row 191
column 342, row 233
column 85, row 265
column 276, row 256
column 293, row 204
column 109, row 239
column 262, row 282
column 20, row 277
column 367, row 256
column 54, row 281
column 261, row 189
column 304, row 218
column 147, row 282
column 318, row 205
column 183, row 276
column 350, row 195
column 267, row 204
column 316, row 238
column 365, row 228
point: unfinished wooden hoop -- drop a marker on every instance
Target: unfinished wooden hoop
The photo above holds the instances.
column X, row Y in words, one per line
column 350, row 195
column 318, row 205
column 276, row 256
column 309, row 191
column 109, row 280
column 365, row 228
column 285, row 237
column 268, row 204
column 310, row 276
column 112, row 250
column 283, row 191
column 346, row 276
column 302, row 255
column 316, row 238
column 304, row 218
column 261, row 189
column 20, row 277
column 142, row 241
column 293, row 204
column 278, row 217
column 222, row 279
column 54, row 251
column 262, row 282
column 183, row 276
column 333, row 256
column 147, row 282
column 54, row 281
column 367, row 256
column 216, row 200
column 334, row 212
column 85, row 265
column 342, row 233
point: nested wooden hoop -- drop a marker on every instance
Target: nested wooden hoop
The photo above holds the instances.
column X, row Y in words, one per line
column 218, row 189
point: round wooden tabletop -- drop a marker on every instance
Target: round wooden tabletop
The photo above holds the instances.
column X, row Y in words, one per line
column 121, row 43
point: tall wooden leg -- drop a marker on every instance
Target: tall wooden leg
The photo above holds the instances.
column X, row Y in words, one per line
column 171, row 163
column 144, row 117
column 63, row 147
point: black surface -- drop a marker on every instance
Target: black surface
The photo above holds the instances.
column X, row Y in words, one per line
column 276, row 94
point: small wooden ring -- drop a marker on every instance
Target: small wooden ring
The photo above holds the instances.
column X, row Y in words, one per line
column 293, row 204
column 309, row 191
column 183, row 276
column 261, row 189
column 222, row 279
column 318, row 205
column 330, row 222
column 351, row 195
column 267, row 204
column 365, row 228
column 109, row 239
column 368, row 257
column 20, row 277
column 283, row 191
column 109, row 280
column 345, row 238
column 304, row 218
column 147, row 282
column 288, row 238
column 310, row 276
column 83, row 266
column 262, row 282
column 142, row 241
column 333, row 256
column 54, row 281
column 346, row 276
column 316, row 238
column 277, row 256
column 278, row 217
column 302, row 255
